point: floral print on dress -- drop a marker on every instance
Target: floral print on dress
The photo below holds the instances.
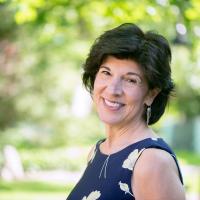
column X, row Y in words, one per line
column 124, row 187
column 93, row 195
column 132, row 157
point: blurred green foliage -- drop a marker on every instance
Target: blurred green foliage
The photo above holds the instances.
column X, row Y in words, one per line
column 46, row 159
column 23, row 190
column 31, row 186
column 44, row 43
column 188, row 158
column 23, row 195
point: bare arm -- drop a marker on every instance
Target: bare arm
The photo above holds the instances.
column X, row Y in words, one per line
column 156, row 177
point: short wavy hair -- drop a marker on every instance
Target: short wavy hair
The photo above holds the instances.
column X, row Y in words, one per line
column 149, row 49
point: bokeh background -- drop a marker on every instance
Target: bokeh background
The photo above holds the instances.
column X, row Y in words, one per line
column 47, row 121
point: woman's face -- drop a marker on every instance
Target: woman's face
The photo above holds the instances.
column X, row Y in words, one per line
column 120, row 91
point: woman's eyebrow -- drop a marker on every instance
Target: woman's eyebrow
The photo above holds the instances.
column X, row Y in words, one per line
column 132, row 73
column 103, row 66
column 135, row 74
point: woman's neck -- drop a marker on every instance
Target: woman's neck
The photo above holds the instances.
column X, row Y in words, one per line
column 120, row 137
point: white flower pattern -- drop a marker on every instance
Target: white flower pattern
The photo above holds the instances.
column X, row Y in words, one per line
column 132, row 157
column 93, row 195
column 124, row 187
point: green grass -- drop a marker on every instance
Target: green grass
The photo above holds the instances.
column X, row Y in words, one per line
column 31, row 190
column 32, row 186
column 33, row 196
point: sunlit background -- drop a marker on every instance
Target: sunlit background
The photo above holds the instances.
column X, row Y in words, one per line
column 47, row 121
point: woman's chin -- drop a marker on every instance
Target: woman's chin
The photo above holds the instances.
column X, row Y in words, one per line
column 110, row 121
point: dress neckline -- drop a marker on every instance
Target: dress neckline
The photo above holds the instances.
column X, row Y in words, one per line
column 125, row 148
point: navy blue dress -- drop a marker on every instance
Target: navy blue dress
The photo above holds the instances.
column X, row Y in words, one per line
column 109, row 177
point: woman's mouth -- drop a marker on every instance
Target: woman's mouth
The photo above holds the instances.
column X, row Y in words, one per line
column 113, row 105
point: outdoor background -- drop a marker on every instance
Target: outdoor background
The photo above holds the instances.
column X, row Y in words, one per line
column 47, row 121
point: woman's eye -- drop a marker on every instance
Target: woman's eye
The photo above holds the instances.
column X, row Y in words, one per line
column 105, row 72
column 133, row 81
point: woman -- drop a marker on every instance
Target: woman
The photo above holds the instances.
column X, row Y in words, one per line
column 128, row 75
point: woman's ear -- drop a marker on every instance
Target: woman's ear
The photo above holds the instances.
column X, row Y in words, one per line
column 151, row 96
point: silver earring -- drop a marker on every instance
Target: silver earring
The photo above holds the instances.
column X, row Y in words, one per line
column 148, row 114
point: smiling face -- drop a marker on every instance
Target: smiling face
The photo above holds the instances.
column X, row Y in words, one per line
column 120, row 92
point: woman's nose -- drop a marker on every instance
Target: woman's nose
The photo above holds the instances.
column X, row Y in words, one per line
column 115, row 87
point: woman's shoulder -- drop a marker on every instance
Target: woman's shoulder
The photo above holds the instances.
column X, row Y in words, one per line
column 157, row 156
column 155, row 159
column 157, row 169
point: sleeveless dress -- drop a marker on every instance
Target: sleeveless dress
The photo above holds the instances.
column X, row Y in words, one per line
column 109, row 177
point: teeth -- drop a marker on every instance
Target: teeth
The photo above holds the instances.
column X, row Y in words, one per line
column 112, row 104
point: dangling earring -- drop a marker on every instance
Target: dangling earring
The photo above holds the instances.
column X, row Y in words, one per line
column 148, row 114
